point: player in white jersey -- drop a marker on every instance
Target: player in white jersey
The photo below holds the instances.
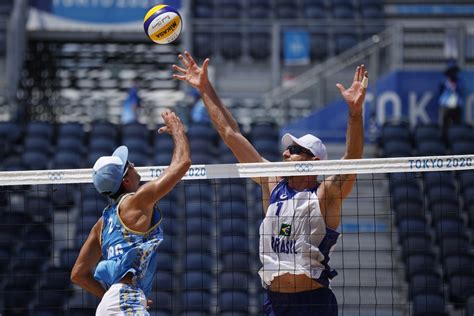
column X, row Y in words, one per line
column 118, row 260
column 301, row 215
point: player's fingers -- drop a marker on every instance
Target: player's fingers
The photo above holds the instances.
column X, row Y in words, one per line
column 205, row 64
column 340, row 87
column 183, row 60
column 361, row 72
column 189, row 57
column 162, row 130
column 177, row 68
column 356, row 74
column 179, row 77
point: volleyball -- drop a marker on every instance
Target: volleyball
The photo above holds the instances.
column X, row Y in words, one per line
column 162, row 24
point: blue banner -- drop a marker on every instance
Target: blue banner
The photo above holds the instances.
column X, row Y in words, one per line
column 404, row 95
column 296, row 48
column 101, row 11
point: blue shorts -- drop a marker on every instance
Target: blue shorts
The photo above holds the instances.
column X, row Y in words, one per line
column 320, row 302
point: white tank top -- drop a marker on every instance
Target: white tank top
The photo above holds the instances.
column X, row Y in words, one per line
column 294, row 238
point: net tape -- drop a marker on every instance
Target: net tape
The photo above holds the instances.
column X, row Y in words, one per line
column 257, row 170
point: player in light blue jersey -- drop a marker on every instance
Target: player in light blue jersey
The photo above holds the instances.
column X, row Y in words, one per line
column 298, row 232
column 117, row 262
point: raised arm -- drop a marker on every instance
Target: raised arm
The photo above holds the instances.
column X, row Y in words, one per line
column 336, row 188
column 148, row 194
column 221, row 117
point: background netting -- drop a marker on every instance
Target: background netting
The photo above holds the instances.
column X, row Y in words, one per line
column 405, row 247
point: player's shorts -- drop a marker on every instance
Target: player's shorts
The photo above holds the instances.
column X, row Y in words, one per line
column 320, row 302
column 123, row 300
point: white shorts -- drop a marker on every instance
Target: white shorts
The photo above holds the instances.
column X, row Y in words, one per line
column 123, row 300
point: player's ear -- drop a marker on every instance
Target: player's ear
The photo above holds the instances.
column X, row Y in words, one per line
column 315, row 158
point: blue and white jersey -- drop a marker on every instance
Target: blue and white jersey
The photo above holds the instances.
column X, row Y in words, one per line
column 125, row 250
column 294, row 238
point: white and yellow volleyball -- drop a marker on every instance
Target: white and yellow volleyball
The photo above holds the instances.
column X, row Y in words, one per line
column 163, row 24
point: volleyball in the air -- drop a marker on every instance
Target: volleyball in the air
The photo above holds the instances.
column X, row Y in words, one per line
column 163, row 24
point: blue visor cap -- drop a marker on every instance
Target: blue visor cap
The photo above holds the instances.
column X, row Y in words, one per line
column 108, row 171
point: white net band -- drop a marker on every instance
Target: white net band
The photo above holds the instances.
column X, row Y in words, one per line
column 257, row 170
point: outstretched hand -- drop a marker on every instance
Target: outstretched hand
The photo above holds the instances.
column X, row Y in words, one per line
column 191, row 73
column 172, row 123
column 355, row 95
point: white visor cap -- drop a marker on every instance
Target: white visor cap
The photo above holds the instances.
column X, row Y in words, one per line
column 308, row 141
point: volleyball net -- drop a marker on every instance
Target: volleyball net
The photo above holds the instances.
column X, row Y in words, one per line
column 404, row 248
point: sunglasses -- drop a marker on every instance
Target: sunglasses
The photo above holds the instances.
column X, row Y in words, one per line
column 298, row 150
column 128, row 165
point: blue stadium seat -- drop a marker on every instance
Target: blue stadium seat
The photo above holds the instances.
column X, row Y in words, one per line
column 37, row 143
column 199, row 244
column 404, row 179
column 427, row 132
column 458, row 133
column 237, row 301
column 38, row 310
column 259, row 9
column 442, row 194
column 135, row 130
column 412, row 227
column 444, row 210
column 6, row 251
column 138, row 158
column 67, row 160
column 450, row 227
column 72, row 130
column 431, row 148
column 461, row 287
column 199, row 209
column 233, row 227
column 314, row 9
column 235, row 262
column 462, row 147
column 203, row 45
column 371, row 9
column 229, row 9
column 51, row 297
column 198, row 226
column 104, row 129
column 425, row 283
column 264, row 130
column 395, row 130
column 468, row 198
column 234, row 244
column 37, row 235
column 68, row 257
column 163, row 159
column 197, row 191
column 203, row 9
column 197, row 262
column 456, row 245
column 163, row 281
column 202, row 159
column 407, row 193
column 232, row 193
column 102, row 144
column 163, row 143
column 239, row 281
column 197, row 281
column 232, row 209
column 230, row 45
column 202, row 130
column 169, row 207
column 416, row 245
column 260, row 45
column 433, row 179
column 343, row 9
column 429, row 304
column 39, row 207
column 285, row 10
column 196, row 301
column 466, row 179
column 201, row 146
column 40, row 129
column 163, row 300
column 319, row 49
column 470, row 305
column 11, row 132
column 17, row 298
column 419, row 263
column 269, row 149
column 136, row 145
column 69, row 143
column 164, row 260
column 396, row 148
column 459, row 264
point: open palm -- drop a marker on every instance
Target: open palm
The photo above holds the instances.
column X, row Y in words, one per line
column 191, row 73
column 355, row 95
